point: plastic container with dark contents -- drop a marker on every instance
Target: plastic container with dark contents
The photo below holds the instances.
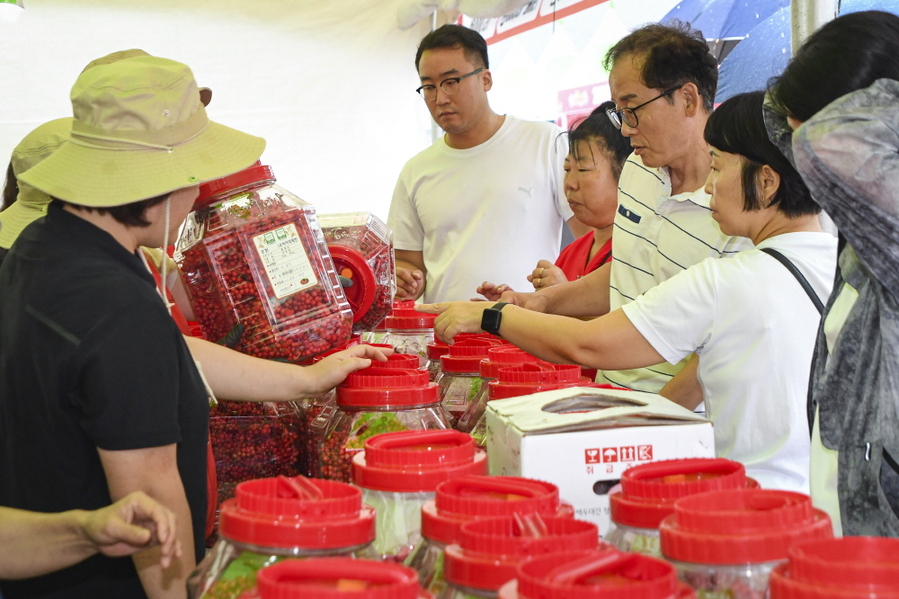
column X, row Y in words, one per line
column 598, row 574
column 259, row 272
column 371, row 401
column 460, row 382
column 399, row 472
column 726, row 543
column 648, row 493
column 468, row 498
column 362, row 249
column 846, row 568
column 339, row 578
column 273, row 519
column 409, row 331
column 489, row 550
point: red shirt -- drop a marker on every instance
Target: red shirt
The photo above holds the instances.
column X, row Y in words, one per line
column 573, row 259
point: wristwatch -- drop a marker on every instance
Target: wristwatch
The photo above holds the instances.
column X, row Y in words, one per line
column 492, row 318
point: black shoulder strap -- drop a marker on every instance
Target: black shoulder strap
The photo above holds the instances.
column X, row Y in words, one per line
column 799, row 277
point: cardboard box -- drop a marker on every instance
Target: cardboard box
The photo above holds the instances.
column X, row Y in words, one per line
column 582, row 439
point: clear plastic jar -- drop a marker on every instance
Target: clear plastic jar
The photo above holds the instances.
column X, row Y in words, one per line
column 648, row 493
column 339, row 578
column 260, row 276
column 726, row 543
column 362, row 249
column 846, row 568
column 272, row 519
column 490, row 549
column 409, row 331
column 399, row 472
column 460, row 382
column 598, row 574
column 372, row 401
column 467, row 498
column 436, row 350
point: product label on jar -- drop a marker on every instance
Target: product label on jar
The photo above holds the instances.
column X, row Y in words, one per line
column 285, row 260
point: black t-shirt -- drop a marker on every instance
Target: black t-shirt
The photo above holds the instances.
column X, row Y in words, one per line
column 89, row 357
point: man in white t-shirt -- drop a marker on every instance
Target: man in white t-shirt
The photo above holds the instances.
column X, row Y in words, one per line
column 663, row 79
column 485, row 201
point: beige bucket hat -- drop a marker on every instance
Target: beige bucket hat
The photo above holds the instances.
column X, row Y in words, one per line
column 31, row 203
column 139, row 131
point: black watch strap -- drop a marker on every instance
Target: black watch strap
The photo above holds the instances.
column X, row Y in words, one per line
column 492, row 318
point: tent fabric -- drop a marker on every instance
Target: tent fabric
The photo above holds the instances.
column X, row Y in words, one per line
column 412, row 11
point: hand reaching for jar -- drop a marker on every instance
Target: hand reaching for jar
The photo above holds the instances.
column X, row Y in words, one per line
column 546, row 274
column 493, row 291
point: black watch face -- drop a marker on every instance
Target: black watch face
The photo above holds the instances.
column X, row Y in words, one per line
column 490, row 320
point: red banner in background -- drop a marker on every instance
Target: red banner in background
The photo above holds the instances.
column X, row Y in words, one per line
column 577, row 103
column 530, row 16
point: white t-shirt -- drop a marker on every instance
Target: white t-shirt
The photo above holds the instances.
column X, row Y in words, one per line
column 754, row 329
column 656, row 236
column 487, row 213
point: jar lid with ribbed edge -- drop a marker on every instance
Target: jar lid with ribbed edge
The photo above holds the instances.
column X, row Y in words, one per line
column 465, row 356
column 540, row 373
column 405, row 317
column 406, row 361
column 212, row 191
column 437, row 349
column 740, row 526
column 337, row 578
column 863, row 567
column 595, row 574
column 504, row 390
column 416, row 461
column 381, row 387
column 502, row 357
column 297, row 512
column 648, row 491
column 490, row 549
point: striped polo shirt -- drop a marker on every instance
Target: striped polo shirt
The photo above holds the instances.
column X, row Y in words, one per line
column 656, row 236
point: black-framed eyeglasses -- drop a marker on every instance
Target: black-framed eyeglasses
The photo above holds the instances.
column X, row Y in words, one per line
column 628, row 116
column 450, row 86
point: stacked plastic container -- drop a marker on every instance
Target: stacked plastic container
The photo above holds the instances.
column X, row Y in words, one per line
column 369, row 402
column 597, row 574
column 399, row 472
column 409, row 331
column 460, row 382
column 275, row 518
column 489, row 550
column 339, row 578
column 846, row 568
column 468, row 498
column 648, row 493
column 260, row 275
column 726, row 543
column 362, row 249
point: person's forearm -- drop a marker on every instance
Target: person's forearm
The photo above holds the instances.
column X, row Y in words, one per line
column 170, row 582
column 32, row 544
column 684, row 388
column 585, row 297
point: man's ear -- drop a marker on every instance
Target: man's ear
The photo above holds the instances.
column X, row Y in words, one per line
column 692, row 98
column 487, row 77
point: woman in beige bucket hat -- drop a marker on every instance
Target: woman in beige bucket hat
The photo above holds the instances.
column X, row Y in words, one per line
column 99, row 394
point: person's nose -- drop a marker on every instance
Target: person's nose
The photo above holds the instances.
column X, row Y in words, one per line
column 570, row 181
column 627, row 130
column 441, row 97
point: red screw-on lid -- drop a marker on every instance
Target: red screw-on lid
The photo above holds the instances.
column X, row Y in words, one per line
column 596, row 574
column 502, row 390
column 648, row 491
column 468, row 497
column 490, row 549
column 465, row 356
column 405, row 317
column 436, row 349
column 337, row 578
column 385, row 387
column 297, row 512
column 502, row 357
column 213, row 190
column 850, row 567
column 740, row 526
column 354, row 267
column 540, row 373
column 416, row 461
column 401, row 361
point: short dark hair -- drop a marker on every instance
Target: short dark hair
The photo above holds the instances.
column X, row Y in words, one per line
column 456, row 36
column 738, row 127
column 846, row 54
column 130, row 215
column 10, row 189
column 674, row 54
column 599, row 129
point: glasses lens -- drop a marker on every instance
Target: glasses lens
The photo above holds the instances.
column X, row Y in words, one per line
column 629, row 117
column 428, row 92
column 450, row 86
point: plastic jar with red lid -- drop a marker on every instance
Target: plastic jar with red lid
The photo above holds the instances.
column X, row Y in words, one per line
column 361, row 246
column 596, row 574
column 371, row 401
column 409, row 331
column 272, row 519
column 845, row 568
column 339, row 578
column 726, row 543
column 461, row 378
column 499, row 357
column 490, row 549
column 437, row 349
column 648, row 493
column 468, row 498
column 259, row 272
column 399, row 472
